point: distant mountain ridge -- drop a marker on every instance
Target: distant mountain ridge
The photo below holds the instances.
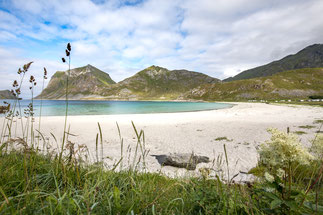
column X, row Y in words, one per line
column 6, row 94
column 309, row 57
column 151, row 83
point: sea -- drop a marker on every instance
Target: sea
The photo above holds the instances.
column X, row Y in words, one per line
column 86, row 107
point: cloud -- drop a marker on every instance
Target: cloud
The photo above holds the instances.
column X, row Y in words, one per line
column 220, row 38
column 13, row 61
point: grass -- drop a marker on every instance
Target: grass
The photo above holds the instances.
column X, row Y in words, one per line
column 281, row 86
column 80, row 190
column 307, row 126
column 305, row 103
column 318, row 121
column 299, row 132
column 31, row 184
column 223, row 138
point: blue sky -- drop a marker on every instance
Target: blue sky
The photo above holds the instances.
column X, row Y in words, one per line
column 218, row 37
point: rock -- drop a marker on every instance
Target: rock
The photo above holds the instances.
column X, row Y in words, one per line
column 181, row 160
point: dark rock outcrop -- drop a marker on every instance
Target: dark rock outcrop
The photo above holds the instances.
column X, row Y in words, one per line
column 181, row 160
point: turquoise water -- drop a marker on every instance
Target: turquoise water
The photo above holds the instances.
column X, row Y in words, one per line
column 57, row 107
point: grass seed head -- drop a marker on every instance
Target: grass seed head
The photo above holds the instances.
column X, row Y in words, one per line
column 69, row 48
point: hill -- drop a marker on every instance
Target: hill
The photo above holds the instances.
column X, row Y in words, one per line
column 151, row 83
column 6, row 94
column 309, row 57
column 300, row 83
column 158, row 83
column 84, row 82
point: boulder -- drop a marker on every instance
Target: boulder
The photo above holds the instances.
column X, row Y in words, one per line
column 181, row 160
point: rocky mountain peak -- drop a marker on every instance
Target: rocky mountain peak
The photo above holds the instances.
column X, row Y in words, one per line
column 153, row 67
column 154, row 71
column 81, row 70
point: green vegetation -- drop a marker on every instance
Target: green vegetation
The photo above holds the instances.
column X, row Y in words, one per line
column 83, row 81
column 306, row 103
column 158, row 83
column 299, row 132
column 318, row 121
column 31, row 183
column 285, row 165
column 149, row 84
column 295, row 85
column 310, row 57
column 307, row 126
column 223, row 138
column 316, row 97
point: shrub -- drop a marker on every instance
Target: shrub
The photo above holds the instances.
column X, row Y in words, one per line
column 283, row 152
column 286, row 179
column 315, row 97
column 317, row 146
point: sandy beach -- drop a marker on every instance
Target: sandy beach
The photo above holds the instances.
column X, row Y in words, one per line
column 244, row 125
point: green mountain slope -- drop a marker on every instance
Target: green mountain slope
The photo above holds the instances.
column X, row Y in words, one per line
column 6, row 94
column 158, row 83
column 299, row 83
column 83, row 82
column 310, row 57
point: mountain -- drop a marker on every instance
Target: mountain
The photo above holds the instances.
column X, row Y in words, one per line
column 83, row 82
column 300, row 83
column 151, row 83
column 309, row 57
column 6, row 94
column 158, row 83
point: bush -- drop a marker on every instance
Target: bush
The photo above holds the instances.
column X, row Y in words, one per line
column 288, row 172
column 315, row 97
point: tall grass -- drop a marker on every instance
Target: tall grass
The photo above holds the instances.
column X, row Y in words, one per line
column 65, row 135
column 41, row 102
column 61, row 180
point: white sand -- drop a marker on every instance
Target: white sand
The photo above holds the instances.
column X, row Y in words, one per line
column 245, row 124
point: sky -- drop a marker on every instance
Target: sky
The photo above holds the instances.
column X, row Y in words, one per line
column 220, row 38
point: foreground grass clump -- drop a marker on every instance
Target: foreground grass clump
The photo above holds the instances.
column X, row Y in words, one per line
column 31, row 183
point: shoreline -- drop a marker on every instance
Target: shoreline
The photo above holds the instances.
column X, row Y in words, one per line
column 103, row 114
column 244, row 125
column 127, row 100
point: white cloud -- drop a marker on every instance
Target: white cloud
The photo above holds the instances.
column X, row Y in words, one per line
column 13, row 61
column 219, row 38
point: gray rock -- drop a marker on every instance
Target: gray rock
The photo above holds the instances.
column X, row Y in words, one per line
column 181, row 160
